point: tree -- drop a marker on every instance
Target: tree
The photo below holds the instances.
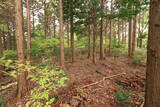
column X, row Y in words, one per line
column 28, row 29
column 72, row 32
column 152, row 97
column 101, row 33
column 61, row 32
column 94, row 21
column 1, row 46
column 22, row 81
column 130, row 38
column 134, row 34
column 110, row 34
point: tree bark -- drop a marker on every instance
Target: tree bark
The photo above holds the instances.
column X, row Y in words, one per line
column 22, row 81
column 1, row 46
column 134, row 35
column 94, row 21
column 130, row 39
column 152, row 97
column 110, row 36
column 28, row 29
column 72, row 35
column 101, row 35
column 119, row 39
column 89, row 42
column 61, row 32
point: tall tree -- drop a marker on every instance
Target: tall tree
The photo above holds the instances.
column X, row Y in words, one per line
column 152, row 98
column 22, row 81
column 1, row 46
column 101, row 33
column 72, row 32
column 89, row 41
column 130, row 38
column 134, row 34
column 110, row 30
column 94, row 21
column 28, row 29
column 61, row 32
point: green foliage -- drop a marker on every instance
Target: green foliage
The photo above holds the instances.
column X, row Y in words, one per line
column 10, row 54
column 44, row 47
column 139, row 57
column 44, row 78
column 46, row 81
column 122, row 97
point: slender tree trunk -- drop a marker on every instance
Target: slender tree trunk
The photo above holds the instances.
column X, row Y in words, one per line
column 72, row 35
column 28, row 29
column 152, row 97
column 134, row 35
column 94, row 21
column 89, row 42
column 33, row 21
column 119, row 39
column 61, row 31
column 22, row 81
column 110, row 36
column 101, row 35
column 9, row 38
column 46, row 19
column 4, row 40
column 1, row 54
column 130, row 39
column 123, row 35
column 1, row 46
column 54, row 25
column 106, row 35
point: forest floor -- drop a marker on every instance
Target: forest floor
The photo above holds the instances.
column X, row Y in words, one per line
column 87, row 88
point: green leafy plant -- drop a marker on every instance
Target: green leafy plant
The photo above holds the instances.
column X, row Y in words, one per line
column 122, row 97
column 46, row 81
column 10, row 54
column 139, row 57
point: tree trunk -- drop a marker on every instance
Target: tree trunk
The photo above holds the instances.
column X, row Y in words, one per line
column 28, row 29
column 152, row 97
column 94, row 21
column 1, row 46
column 110, row 36
column 22, row 81
column 119, row 39
column 1, row 54
column 89, row 42
column 134, row 35
column 72, row 35
column 130, row 39
column 61, row 32
column 101, row 35
column 4, row 40
column 47, row 20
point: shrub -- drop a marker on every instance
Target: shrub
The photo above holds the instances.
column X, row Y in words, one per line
column 122, row 97
column 10, row 54
column 46, row 80
column 139, row 57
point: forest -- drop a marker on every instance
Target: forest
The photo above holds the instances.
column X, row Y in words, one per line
column 79, row 53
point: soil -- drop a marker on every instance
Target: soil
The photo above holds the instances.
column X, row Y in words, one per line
column 83, row 72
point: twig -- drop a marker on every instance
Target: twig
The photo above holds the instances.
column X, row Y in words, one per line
column 102, row 80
